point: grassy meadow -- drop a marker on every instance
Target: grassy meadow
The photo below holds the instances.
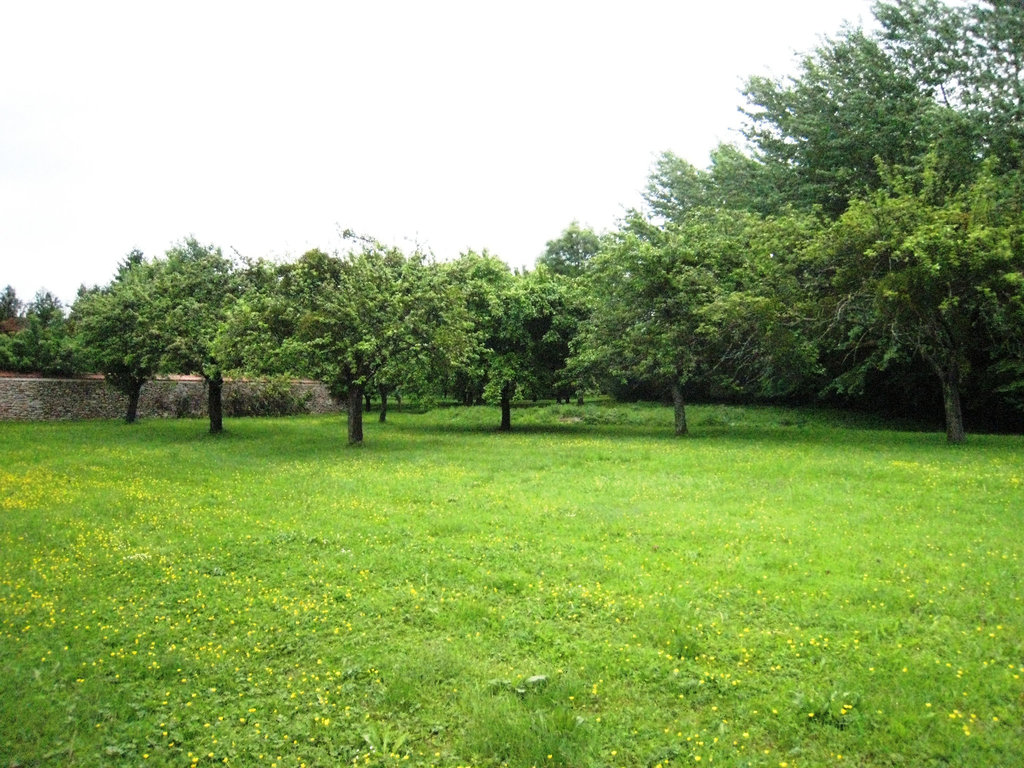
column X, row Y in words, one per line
column 781, row 588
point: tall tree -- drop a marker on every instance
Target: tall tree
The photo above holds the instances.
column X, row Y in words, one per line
column 758, row 338
column 968, row 58
column 738, row 181
column 819, row 133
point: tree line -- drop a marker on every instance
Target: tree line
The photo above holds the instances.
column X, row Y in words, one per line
column 372, row 320
column 865, row 245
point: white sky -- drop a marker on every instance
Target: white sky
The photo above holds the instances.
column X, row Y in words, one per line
column 267, row 127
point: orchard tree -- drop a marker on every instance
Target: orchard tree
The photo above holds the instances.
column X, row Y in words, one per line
column 257, row 336
column 564, row 306
column 519, row 327
column 430, row 333
column 194, row 288
column 114, row 326
column 483, row 281
column 921, row 272
column 372, row 318
column 528, row 340
column 714, row 298
column 345, row 332
column 647, row 293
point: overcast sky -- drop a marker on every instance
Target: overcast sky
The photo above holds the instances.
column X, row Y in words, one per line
column 265, row 128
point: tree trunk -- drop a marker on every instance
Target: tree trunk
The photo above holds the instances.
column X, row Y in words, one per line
column 132, row 413
column 951, row 403
column 948, row 371
column 369, row 402
column 355, row 416
column 214, row 401
column 680, row 409
column 506, row 407
column 383, row 405
column 579, row 397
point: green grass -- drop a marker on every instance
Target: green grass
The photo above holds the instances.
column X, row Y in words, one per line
column 781, row 588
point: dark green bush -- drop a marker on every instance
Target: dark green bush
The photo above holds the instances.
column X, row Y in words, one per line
column 268, row 397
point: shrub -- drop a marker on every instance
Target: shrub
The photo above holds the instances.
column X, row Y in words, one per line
column 268, row 397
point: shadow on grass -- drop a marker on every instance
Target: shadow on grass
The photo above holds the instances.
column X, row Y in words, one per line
column 300, row 438
column 655, row 422
column 740, row 434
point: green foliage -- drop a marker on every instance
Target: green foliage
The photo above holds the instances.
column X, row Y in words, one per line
column 258, row 335
column 821, row 131
column 373, row 319
column 195, row 287
column 571, row 251
column 968, row 58
column 872, row 222
column 115, row 328
column 645, row 317
column 926, row 273
column 10, row 306
column 738, row 286
column 43, row 342
column 532, row 324
column 483, row 280
column 738, row 181
column 733, row 181
column 715, row 295
column 675, row 188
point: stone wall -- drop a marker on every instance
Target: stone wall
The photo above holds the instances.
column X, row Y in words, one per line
column 38, row 399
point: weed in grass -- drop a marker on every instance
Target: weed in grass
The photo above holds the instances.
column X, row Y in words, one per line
column 836, row 708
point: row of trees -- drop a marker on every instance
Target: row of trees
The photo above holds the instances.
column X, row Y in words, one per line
column 867, row 243
column 372, row 320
